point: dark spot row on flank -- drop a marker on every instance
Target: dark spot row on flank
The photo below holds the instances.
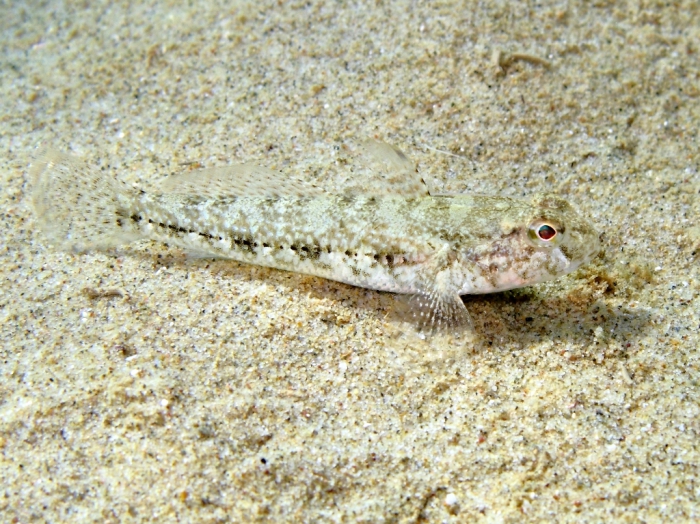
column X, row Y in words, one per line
column 306, row 252
column 385, row 259
column 247, row 243
column 175, row 229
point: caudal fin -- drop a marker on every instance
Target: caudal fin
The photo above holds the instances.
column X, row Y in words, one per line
column 78, row 208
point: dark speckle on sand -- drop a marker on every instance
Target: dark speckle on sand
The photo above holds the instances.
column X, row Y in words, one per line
column 143, row 385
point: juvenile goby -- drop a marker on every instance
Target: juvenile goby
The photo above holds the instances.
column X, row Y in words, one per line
column 404, row 240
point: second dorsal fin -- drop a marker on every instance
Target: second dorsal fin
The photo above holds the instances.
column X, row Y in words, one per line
column 238, row 181
column 392, row 173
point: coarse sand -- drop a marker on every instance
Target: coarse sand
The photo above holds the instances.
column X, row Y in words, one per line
column 140, row 384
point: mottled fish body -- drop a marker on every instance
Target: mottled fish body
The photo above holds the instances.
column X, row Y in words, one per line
column 436, row 247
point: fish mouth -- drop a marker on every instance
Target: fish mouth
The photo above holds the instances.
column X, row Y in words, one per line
column 594, row 249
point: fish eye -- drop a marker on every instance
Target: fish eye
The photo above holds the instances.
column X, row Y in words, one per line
column 544, row 232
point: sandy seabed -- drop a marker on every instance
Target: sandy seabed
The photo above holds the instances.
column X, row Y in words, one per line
column 142, row 385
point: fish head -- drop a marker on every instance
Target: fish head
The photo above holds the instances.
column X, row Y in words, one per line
column 532, row 242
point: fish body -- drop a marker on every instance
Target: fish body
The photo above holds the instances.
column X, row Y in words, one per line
column 436, row 247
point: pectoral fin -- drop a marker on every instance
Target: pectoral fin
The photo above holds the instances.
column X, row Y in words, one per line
column 438, row 306
column 438, row 311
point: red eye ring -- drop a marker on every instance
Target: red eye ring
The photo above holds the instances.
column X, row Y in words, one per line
column 545, row 233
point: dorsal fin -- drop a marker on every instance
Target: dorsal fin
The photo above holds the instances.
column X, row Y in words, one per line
column 402, row 177
column 237, row 181
column 387, row 171
column 391, row 173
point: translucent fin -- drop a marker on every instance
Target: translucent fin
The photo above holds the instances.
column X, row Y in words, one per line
column 78, row 208
column 384, row 170
column 237, row 181
column 439, row 311
column 392, row 155
column 438, row 306
column 402, row 177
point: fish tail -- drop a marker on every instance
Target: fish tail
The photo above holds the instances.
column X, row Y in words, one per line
column 79, row 208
